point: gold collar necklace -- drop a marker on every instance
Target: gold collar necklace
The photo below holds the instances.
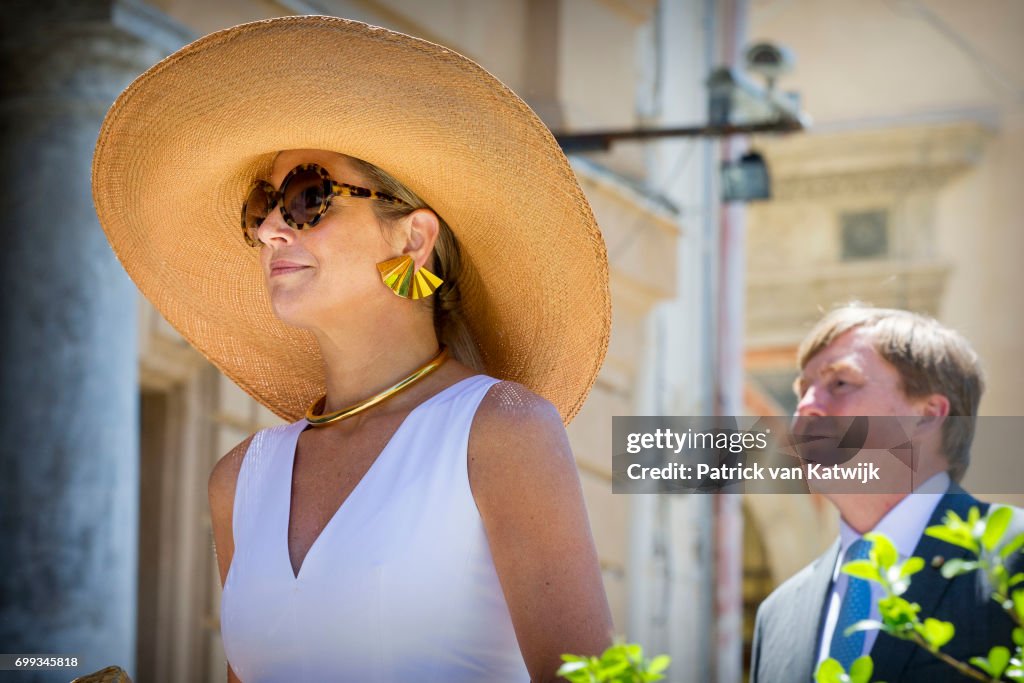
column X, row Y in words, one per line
column 319, row 420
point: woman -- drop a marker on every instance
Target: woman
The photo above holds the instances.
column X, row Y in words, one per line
column 417, row 519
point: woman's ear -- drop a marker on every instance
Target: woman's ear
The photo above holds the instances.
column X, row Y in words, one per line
column 421, row 228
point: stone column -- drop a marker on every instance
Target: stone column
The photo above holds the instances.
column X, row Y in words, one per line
column 69, row 463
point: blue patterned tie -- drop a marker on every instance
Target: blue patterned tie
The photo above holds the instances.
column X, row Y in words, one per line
column 855, row 607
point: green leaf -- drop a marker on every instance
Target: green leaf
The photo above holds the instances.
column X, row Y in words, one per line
column 899, row 587
column 898, row 614
column 958, row 566
column 620, row 663
column 1018, row 604
column 574, row 671
column 952, row 519
column 995, row 526
column 883, row 552
column 1015, row 579
column 1013, row 546
column 996, row 662
column 937, row 633
column 611, row 670
column 862, row 569
column 633, row 652
column 912, row 566
column 659, row 664
column 981, row 663
column 998, row 659
column 830, row 671
column 959, row 537
column 861, row 670
column 1018, row 636
column 865, row 625
column 613, row 661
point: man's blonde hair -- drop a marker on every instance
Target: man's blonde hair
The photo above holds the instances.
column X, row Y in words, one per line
column 930, row 358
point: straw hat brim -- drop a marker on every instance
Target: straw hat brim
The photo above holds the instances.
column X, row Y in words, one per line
column 181, row 146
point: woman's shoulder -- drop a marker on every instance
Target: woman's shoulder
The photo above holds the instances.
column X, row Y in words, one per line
column 224, row 475
column 505, row 404
column 516, row 432
column 510, row 405
column 225, row 472
column 521, row 466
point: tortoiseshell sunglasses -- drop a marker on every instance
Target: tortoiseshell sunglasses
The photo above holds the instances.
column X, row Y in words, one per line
column 305, row 195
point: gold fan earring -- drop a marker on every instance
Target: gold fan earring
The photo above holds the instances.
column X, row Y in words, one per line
column 401, row 277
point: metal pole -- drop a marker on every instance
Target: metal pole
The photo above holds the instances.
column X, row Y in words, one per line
column 729, row 381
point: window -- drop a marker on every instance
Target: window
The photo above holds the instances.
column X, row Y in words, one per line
column 865, row 235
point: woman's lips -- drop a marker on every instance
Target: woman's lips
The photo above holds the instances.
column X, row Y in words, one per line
column 284, row 267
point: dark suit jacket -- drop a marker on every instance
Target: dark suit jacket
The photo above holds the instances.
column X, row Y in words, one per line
column 788, row 625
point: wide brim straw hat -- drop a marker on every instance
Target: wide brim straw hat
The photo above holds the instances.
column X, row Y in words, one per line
column 181, row 146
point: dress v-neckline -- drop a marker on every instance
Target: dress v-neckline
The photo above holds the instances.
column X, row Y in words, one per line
column 359, row 484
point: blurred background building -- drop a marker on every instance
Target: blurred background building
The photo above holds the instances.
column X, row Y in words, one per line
column 902, row 194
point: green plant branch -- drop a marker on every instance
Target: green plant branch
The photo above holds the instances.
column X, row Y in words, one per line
column 981, row 537
column 1003, row 601
column 962, row 667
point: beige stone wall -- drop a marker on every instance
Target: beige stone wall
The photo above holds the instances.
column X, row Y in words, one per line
column 979, row 225
column 918, row 109
column 891, row 69
column 636, row 288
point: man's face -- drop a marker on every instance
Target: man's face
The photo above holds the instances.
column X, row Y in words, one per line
column 849, row 377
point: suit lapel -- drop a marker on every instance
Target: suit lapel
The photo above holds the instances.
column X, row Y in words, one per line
column 927, row 588
column 807, row 620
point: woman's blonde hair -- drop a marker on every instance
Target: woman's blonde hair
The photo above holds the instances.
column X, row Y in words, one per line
column 449, row 321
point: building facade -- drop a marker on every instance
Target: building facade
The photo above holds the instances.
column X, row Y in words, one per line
column 903, row 194
column 111, row 550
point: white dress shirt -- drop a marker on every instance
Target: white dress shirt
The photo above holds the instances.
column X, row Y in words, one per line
column 904, row 524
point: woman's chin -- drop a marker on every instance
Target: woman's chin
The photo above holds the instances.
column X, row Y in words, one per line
column 292, row 313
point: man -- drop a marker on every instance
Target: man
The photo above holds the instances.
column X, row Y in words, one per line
column 862, row 361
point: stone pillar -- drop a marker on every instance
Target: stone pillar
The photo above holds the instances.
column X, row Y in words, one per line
column 69, row 463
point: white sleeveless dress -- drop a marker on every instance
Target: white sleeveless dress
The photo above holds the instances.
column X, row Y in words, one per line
column 399, row 586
